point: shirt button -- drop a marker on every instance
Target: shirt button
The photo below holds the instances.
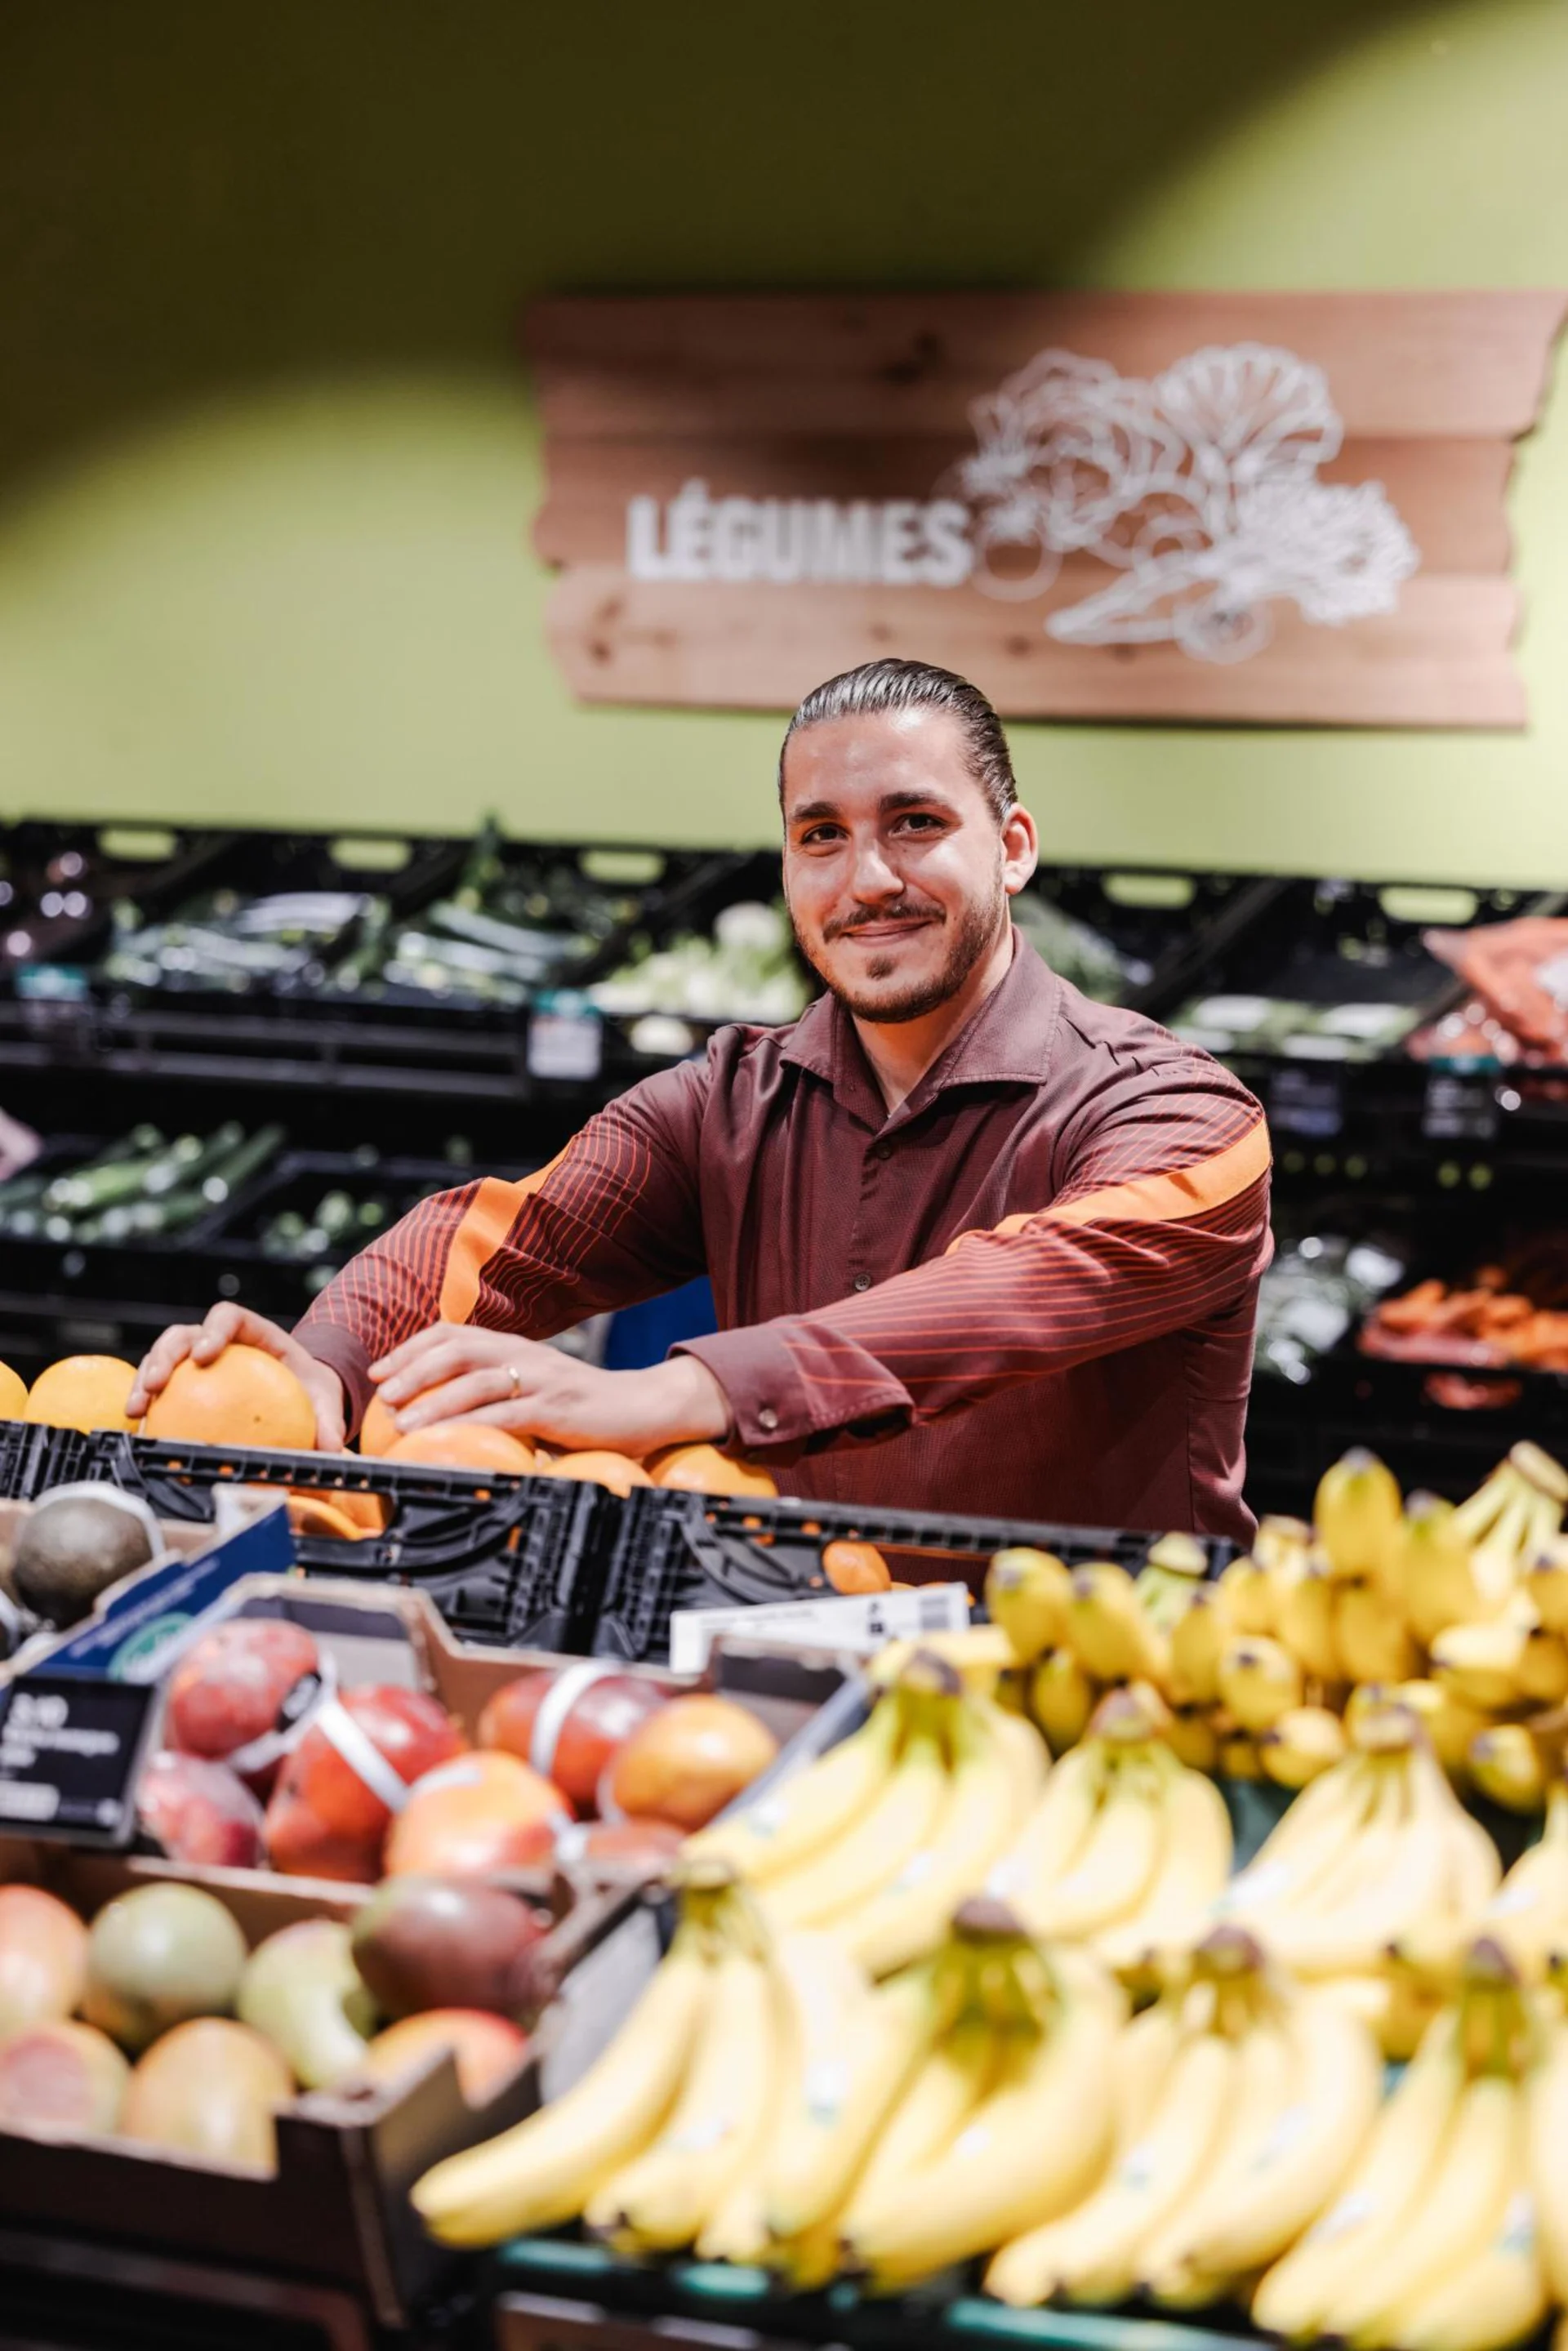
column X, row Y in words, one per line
column 862, row 1282
column 881, row 1151
column 767, row 1417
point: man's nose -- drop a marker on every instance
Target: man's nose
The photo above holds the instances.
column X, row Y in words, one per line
column 874, row 877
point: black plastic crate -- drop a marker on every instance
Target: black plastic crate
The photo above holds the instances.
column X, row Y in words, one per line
column 1135, row 935
column 61, row 883
column 507, row 1560
column 674, row 1550
column 24, row 1457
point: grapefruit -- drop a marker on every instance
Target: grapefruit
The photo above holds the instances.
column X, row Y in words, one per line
column 82, row 1392
column 378, row 1430
column 704, row 1469
column 465, row 1445
column 482, row 1812
column 13, row 1394
column 688, row 1762
column 601, row 1468
column 855, row 1567
column 313, row 1514
column 245, row 1396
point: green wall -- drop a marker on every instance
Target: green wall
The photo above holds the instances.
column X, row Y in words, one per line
column 267, row 460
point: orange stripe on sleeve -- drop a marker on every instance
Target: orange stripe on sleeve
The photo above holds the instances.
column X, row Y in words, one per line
column 484, row 1227
column 1161, row 1198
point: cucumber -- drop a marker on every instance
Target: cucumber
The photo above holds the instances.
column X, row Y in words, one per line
column 245, row 1161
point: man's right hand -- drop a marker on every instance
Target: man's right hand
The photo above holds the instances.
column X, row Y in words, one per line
column 230, row 1326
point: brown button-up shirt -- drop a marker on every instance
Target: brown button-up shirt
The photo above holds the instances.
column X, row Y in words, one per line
column 1029, row 1292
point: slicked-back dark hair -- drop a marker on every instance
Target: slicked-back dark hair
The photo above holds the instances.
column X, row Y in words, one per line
column 881, row 685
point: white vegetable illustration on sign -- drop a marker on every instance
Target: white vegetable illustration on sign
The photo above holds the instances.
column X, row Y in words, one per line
column 1200, row 487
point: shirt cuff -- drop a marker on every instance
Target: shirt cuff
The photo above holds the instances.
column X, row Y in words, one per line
column 775, row 1406
column 341, row 1352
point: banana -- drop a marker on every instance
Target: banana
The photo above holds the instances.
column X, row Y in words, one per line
column 1281, row 1542
column 1547, row 2124
column 1116, row 1867
column 1112, row 1633
column 1027, row 1592
column 1028, row 1759
column 1528, row 1915
column 1369, row 1634
column 1546, row 1582
column 1357, row 1514
column 1450, row 1724
column 1093, row 2255
column 843, row 2091
column 1238, row 1758
column 1478, row 1664
column 1396, row 1870
column 955, row 2074
column 897, row 1822
column 662, row 2198
column 797, row 1819
column 1312, row 1838
column 545, row 2171
column 1506, row 1764
column 1061, row 1699
column 1386, row 2186
column 1303, row 1743
column 910, row 1915
column 1194, row 1864
column 1543, row 1666
column 1498, row 2296
column 1143, row 2055
column 1479, row 2161
column 1246, row 1592
column 1056, row 1830
column 1030, row 2150
column 1198, row 1640
column 1168, row 2260
column 1193, row 1740
column 1446, row 1582
column 1304, row 1618
column 1259, row 1681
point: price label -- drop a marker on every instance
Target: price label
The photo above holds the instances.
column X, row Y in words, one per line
column 70, row 1750
column 566, row 1038
column 857, row 1621
column 1307, row 1102
column 1459, row 1110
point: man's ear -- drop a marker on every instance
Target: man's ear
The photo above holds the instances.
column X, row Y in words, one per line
column 1021, row 849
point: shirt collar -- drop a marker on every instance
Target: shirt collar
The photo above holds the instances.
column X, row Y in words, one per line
column 1008, row 1041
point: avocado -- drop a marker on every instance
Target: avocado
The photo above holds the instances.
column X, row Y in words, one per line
column 72, row 1548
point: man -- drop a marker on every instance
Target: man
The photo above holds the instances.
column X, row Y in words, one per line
column 976, row 1244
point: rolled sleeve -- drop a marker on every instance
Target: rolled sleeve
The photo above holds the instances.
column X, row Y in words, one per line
column 792, row 1386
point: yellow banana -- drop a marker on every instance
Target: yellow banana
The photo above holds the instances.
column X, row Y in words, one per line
column 1193, row 1740
column 1143, row 2055
column 897, row 1822
column 1444, row 1580
column 1478, row 1664
column 1386, row 2184
column 1246, row 1592
column 911, row 1913
column 546, row 2170
column 1357, row 1514
column 663, row 2196
column 1056, row 1831
column 1543, row 1666
column 1546, row 1582
column 948, row 2085
column 1116, row 1867
column 1450, row 1724
column 1397, row 1873
column 1304, row 1619
column 1546, row 2136
column 1281, row 1543
column 1371, row 1637
column 1027, row 1592
column 844, row 2092
column 1313, row 1837
column 1506, row 1765
column 1239, row 1756
column 1497, row 2296
column 1193, row 1865
column 1168, row 2263
column 1092, row 2254
column 1030, row 2150
column 1061, row 1699
column 1112, row 1633
column 1479, row 2159
column 1259, row 1681
column 800, row 1816
column 1528, row 1915
column 1029, row 1761
column 1198, row 1639
column 1301, row 1745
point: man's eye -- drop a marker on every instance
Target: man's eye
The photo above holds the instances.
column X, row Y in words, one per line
column 921, row 822
column 819, row 834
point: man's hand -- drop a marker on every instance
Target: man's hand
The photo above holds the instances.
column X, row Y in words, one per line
column 454, row 1371
column 236, row 1326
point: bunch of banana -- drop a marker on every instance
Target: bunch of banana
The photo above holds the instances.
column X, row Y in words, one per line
column 1242, row 2102
column 1078, row 1632
column 1377, row 1852
column 881, row 1839
column 1450, row 2232
column 1526, row 1916
column 651, row 2139
column 1126, row 1849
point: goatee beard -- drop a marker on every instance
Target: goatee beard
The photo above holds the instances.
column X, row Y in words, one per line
column 973, row 938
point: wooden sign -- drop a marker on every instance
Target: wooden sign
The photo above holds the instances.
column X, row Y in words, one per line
column 1277, row 509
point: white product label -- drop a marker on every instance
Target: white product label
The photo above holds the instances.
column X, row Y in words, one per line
column 566, row 1042
column 861, row 1622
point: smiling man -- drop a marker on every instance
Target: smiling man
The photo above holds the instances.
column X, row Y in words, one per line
column 976, row 1244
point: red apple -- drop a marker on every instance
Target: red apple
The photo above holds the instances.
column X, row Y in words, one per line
column 242, row 1681
column 200, row 1812
column 481, row 1813
column 603, row 1710
column 324, row 1820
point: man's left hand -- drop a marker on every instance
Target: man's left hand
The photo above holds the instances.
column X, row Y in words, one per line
column 454, row 1371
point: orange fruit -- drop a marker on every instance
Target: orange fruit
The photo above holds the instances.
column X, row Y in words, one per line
column 378, row 1430
column 465, row 1445
column 82, row 1392
column 599, row 1468
column 313, row 1514
column 244, row 1397
column 704, row 1469
column 856, row 1567
column 13, row 1394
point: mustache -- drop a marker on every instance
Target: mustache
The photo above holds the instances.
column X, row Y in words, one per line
column 920, row 912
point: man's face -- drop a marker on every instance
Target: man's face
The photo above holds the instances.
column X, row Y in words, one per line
column 895, row 870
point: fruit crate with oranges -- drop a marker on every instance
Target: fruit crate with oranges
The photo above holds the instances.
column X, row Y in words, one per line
column 506, row 1559
column 672, row 1551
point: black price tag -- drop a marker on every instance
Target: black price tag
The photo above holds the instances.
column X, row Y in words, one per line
column 1459, row 1110
column 70, row 1750
column 1306, row 1101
